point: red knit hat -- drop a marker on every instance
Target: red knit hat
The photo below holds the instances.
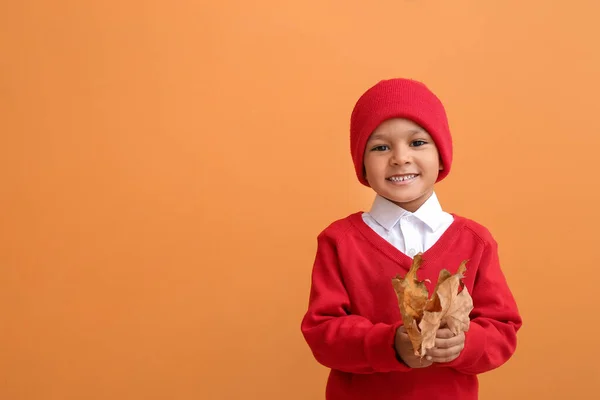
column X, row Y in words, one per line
column 399, row 98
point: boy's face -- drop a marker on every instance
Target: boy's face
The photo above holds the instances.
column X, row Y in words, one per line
column 402, row 163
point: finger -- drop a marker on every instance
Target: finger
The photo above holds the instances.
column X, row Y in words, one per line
column 444, row 359
column 444, row 333
column 437, row 354
column 451, row 342
column 444, row 353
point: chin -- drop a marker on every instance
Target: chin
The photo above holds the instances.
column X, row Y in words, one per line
column 404, row 197
column 407, row 198
column 402, row 200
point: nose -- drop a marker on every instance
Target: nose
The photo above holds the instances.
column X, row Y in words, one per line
column 400, row 155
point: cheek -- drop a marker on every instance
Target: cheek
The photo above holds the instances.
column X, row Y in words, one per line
column 372, row 165
column 367, row 162
column 433, row 163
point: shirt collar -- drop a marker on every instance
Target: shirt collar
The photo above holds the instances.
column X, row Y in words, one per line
column 387, row 214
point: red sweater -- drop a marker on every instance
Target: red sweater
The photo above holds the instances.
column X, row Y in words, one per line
column 353, row 313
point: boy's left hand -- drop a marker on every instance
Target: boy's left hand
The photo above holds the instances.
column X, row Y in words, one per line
column 447, row 346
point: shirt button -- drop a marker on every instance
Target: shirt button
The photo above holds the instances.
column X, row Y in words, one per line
column 412, row 252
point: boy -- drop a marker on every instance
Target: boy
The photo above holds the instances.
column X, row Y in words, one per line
column 401, row 146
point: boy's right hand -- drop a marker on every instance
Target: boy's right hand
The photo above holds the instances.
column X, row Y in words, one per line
column 406, row 352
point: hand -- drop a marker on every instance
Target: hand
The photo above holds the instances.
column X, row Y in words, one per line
column 447, row 346
column 406, row 352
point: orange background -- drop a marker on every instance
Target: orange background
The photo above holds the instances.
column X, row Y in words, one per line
column 166, row 166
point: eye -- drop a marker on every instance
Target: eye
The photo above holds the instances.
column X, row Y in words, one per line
column 381, row 147
column 417, row 143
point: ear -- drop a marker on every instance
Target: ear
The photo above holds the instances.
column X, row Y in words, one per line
column 441, row 164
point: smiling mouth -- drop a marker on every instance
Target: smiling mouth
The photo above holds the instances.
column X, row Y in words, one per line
column 402, row 178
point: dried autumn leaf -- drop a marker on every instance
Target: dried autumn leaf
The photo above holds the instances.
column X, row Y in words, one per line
column 457, row 317
column 432, row 314
column 412, row 296
column 446, row 307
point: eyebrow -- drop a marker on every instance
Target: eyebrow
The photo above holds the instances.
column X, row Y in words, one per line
column 382, row 136
column 376, row 137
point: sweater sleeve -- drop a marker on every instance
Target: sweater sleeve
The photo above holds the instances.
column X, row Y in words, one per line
column 338, row 339
column 492, row 337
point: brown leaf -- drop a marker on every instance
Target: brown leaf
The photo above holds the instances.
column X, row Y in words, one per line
column 432, row 315
column 421, row 316
column 446, row 307
column 457, row 317
column 412, row 296
column 434, row 304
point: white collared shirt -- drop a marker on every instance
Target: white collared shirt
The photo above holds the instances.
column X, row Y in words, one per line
column 411, row 233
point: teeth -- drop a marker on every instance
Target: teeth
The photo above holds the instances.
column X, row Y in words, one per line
column 402, row 178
